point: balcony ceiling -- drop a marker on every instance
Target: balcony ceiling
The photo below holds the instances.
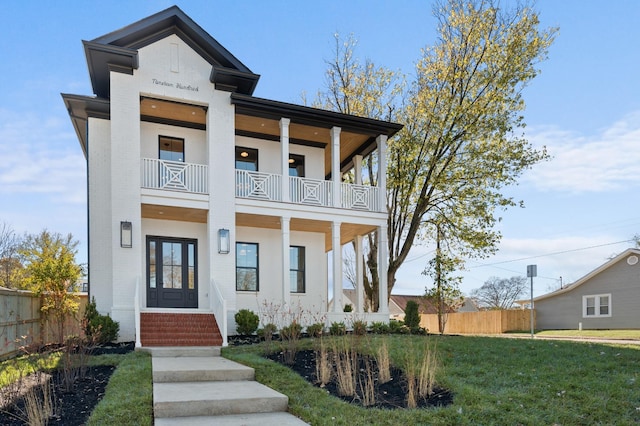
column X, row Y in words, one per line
column 348, row 231
column 173, row 112
column 301, row 132
column 153, row 211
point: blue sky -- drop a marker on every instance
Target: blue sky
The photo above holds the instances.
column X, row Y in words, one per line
column 585, row 107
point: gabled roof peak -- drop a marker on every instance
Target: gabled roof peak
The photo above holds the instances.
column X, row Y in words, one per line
column 120, row 48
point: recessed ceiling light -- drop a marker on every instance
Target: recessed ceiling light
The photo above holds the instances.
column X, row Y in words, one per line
column 244, row 154
column 291, row 161
column 160, row 212
column 193, row 113
column 153, row 106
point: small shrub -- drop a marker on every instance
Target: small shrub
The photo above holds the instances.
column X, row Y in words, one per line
column 266, row 333
column 290, row 336
column 347, row 308
column 99, row 328
column 315, row 330
column 337, row 328
column 411, row 315
column 379, row 327
column 247, row 322
column 359, row 328
column 398, row 327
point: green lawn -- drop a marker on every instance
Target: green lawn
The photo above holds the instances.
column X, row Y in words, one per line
column 495, row 381
column 128, row 399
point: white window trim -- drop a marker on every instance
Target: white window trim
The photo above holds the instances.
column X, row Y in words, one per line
column 597, row 305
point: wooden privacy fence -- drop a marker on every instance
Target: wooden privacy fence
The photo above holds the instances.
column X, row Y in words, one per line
column 21, row 321
column 483, row 322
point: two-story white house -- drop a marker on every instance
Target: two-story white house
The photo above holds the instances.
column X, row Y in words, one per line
column 203, row 200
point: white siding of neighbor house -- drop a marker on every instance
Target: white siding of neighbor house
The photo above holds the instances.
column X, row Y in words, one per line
column 564, row 311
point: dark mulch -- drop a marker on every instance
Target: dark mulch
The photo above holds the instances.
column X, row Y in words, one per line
column 387, row 395
column 72, row 407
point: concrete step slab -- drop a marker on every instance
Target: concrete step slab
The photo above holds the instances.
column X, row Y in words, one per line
column 181, row 351
column 215, row 398
column 198, row 369
column 259, row 419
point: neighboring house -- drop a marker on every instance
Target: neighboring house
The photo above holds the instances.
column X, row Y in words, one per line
column 202, row 199
column 606, row 298
column 398, row 304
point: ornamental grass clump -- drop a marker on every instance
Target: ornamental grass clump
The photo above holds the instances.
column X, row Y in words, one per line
column 421, row 367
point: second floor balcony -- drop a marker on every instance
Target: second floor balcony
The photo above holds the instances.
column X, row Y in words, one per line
column 313, row 192
column 194, row 178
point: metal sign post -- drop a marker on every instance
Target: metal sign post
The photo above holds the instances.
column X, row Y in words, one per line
column 532, row 271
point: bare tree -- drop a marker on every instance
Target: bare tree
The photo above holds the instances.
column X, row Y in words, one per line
column 500, row 293
column 9, row 261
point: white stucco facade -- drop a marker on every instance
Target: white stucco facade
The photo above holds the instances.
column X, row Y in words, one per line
column 177, row 84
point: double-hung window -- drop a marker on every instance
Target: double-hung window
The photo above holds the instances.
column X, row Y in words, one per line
column 297, row 267
column 247, row 267
column 596, row 306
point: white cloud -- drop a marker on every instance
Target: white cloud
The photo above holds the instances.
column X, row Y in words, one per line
column 608, row 161
column 40, row 156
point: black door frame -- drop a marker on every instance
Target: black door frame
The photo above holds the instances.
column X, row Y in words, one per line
column 160, row 297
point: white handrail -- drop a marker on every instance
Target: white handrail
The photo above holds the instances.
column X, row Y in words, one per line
column 136, row 307
column 174, row 176
column 219, row 308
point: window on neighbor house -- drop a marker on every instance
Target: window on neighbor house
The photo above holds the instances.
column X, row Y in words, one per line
column 296, row 165
column 246, row 159
column 171, row 149
column 598, row 305
column 296, row 269
column 247, row 267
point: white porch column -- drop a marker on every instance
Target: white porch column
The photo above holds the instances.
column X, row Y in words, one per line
column 286, row 267
column 359, row 275
column 383, row 266
column 382, row 171
column 357, row 167
column 337, row 267
column 284, row 160
column 336, row 176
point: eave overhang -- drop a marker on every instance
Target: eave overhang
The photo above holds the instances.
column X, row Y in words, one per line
column 80, row 109
column 275, row 110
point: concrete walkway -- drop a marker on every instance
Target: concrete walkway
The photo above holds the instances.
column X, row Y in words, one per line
column 196, row 386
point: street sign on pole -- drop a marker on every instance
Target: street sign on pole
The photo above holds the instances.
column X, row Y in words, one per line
column 532, row 271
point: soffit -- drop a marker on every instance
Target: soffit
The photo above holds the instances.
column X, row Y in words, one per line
column 175, row 112
column 153, row 211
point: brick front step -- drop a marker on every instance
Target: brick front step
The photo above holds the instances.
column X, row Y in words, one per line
column 175, row 329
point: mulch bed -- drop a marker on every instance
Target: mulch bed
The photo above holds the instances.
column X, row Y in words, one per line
column 388, row 395
column 73, row 407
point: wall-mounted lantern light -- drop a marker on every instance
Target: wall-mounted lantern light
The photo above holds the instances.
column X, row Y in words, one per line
column 126, row 235
column 224, row 245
